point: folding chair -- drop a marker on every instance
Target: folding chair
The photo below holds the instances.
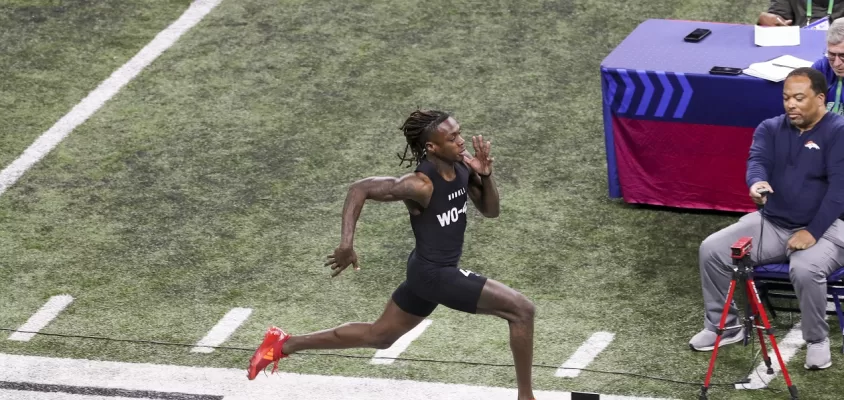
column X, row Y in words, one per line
column 772, row 281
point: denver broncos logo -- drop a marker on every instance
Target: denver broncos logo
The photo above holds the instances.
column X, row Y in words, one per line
column 811, row 145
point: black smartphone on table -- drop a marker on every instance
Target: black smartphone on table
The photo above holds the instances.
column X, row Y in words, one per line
column 697, row 35
column 725, row 71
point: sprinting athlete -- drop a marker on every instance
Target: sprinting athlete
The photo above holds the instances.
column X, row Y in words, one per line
column 436, row 196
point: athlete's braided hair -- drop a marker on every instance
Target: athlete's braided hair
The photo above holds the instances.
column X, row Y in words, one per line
column 417, row 128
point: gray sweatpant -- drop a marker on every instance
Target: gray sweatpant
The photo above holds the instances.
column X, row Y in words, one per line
column 808, row 269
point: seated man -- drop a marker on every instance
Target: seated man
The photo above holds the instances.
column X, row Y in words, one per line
column 798, row 158
column 832, row 66
column 817, row 14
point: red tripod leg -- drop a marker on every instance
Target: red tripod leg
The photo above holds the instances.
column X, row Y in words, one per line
column 764, row 349
column 754, row 299
column 720, row 333
column 756, row 310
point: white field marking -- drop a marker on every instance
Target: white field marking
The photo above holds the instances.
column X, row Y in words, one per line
column 793, row 341
column 232, row 384
column 400, row 345
column 224, row 328
column 585, row 354
column 105, row 91
column 21, row 395
column 42, row 317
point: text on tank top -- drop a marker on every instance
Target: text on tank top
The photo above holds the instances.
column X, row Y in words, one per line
column 440, row 227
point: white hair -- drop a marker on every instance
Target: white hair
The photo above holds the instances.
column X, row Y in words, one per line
column 835, row 34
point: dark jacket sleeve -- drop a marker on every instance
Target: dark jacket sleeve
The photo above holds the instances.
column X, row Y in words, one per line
column 832, row 204
column 783, row 9
column 761, row 159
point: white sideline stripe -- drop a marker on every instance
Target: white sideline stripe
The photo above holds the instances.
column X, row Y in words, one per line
column 49, row 311
column 23, row 395
column 233, row 385
column 105, row 91
column 790, row 344
column 400, row 345
column 224, row 328
column 585, row 354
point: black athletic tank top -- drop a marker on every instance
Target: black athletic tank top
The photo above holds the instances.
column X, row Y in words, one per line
column 440, row 227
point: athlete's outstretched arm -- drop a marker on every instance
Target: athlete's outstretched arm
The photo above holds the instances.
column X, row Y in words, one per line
column 484, row 195
column 415, row 186
column 482, row 188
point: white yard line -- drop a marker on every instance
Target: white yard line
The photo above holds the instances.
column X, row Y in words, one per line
column 223, row 330
column 400, row 345
column 42, row 317
column 105, row 378
column 105, row 91
column 585, row 354
column 788, row 346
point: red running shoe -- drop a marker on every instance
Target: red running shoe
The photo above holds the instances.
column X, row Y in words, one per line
column 269, row 352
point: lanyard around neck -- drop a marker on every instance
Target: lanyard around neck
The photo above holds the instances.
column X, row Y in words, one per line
column 809, row 8
column 837, row 106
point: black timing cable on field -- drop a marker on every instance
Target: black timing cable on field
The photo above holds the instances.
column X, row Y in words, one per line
column 456, row 362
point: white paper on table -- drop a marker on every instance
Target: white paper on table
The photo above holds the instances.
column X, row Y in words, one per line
column 776, row 35
column 791, row 62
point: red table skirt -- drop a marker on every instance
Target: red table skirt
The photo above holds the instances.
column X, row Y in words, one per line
column 683, row 165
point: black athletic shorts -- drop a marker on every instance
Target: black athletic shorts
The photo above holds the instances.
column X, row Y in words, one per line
column 429, row 284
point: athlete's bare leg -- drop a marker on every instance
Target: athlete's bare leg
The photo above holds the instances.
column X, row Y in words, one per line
column 502, row 301
column 380, row 334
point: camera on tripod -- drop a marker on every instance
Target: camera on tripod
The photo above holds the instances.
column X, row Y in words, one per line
column 741, row 248
column 743, row 276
